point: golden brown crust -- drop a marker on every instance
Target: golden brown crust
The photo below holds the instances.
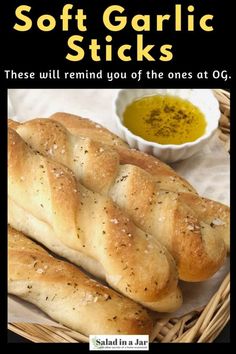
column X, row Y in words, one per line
column 201, row 252
column 164, row 175
column 50, row 192
column 53, row 140
column 67, row 295
column 215, row 214
column 88, row 128
column 13, row 124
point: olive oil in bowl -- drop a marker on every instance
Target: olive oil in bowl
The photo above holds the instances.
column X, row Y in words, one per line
column 165, row 119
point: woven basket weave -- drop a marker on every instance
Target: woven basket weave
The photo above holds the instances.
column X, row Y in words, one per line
column 200, row 327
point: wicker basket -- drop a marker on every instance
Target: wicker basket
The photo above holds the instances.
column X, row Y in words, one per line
column 201, row 327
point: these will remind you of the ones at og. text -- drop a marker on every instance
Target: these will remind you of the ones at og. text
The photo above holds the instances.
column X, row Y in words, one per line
column 138, row 75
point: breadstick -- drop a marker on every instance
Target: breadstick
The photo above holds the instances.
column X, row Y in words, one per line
column 47, row 203
column 67, row 295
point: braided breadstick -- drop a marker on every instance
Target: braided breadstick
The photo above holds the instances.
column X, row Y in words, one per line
column 47, row 203
column 182, row 222
column 214, row 213
column 67, row 295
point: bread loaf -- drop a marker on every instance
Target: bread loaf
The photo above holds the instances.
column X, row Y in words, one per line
column 67, row 295
column 183, row 222
column 47, row 203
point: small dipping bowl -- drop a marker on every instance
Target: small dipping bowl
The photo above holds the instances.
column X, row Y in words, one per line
column 203, row 99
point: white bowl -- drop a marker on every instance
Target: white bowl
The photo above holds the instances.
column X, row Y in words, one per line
column 204, row 99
